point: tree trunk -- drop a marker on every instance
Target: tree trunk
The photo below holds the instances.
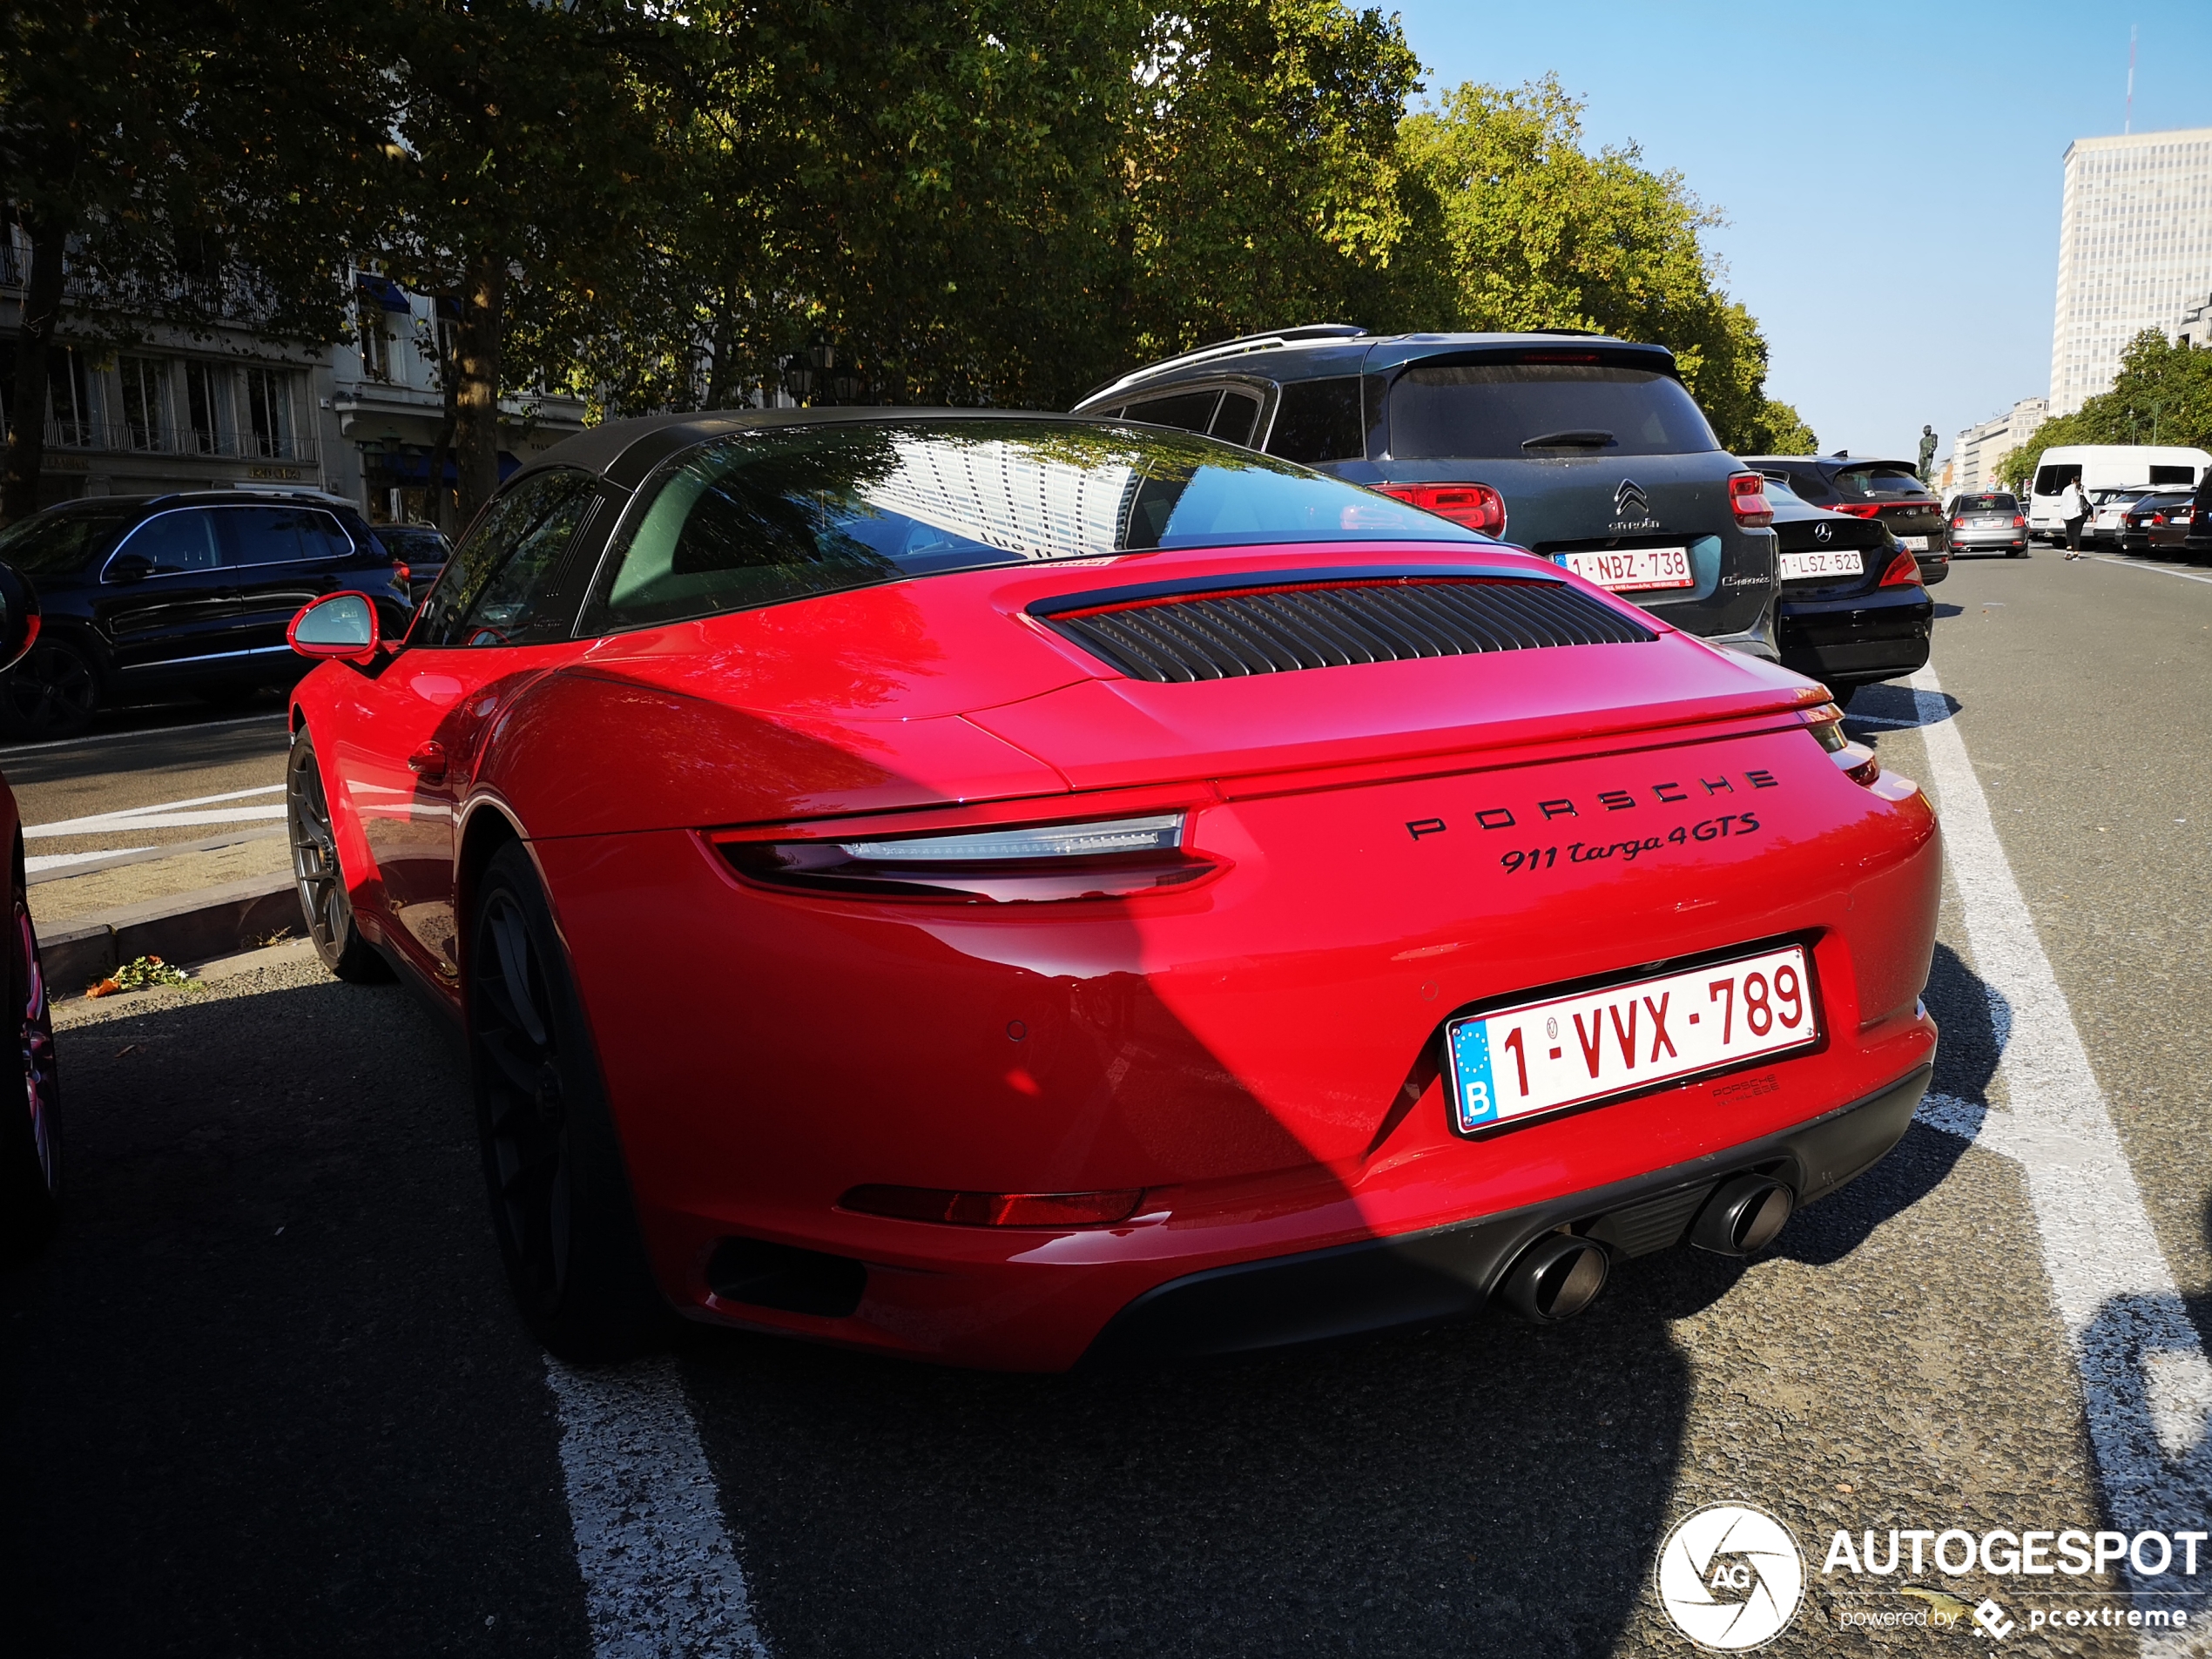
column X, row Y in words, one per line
column 41, row 310
column 476, row 398
column 437, row 499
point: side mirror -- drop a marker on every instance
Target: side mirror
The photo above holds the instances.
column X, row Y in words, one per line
column 18, row 617
column 340, row 625
column 128, row 567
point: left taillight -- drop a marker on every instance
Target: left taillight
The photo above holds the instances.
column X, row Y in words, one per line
column 1013, row 864
column 1855, row 760
column 1747, row 495
column 1477, row 506
column 1904, row 570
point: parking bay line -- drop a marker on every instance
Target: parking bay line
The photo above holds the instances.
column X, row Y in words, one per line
column 2159, row 570
column 2146, row 1384
column 661, row 1578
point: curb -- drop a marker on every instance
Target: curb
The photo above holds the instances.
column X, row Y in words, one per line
column 183, row 928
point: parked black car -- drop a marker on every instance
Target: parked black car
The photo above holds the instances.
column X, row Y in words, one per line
column 2197, row 542
column 2157, row 522
column 1890, row 491
column 155, row 594
column 1587, row 450
column 421, row 551
column 1853, row 608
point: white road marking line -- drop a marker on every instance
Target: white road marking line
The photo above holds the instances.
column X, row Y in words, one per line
column 167, row 814
column 2145, row 1381
column 661, row 1578
column 2130, row 564
column 152, row 731
column 62, row 860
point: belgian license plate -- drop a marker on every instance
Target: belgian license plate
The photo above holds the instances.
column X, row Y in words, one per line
column 1632, row 570
column 1842, row 562
column 1913, row 543
column 1571, row 1050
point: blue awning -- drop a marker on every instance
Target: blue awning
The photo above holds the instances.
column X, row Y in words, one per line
column 387, row 293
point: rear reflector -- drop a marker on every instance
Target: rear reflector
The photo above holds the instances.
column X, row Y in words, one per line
column 995, row 1208
column 1477, row 506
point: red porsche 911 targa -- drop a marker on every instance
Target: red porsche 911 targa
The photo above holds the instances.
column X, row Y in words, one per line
column 1015, row 890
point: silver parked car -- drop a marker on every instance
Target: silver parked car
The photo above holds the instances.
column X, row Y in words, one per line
column 1988, row 524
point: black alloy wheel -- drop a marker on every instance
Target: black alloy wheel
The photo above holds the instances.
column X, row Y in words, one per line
column 325, row 907
column 553, row 1170
column 30, row 1141
column 53, row 692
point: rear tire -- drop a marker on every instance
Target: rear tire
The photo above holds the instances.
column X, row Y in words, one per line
column 325, row 907
column 553, row 1169
column 54, row 692
column 30, row 1135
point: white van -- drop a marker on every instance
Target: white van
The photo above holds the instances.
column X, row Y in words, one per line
column 2105, row 466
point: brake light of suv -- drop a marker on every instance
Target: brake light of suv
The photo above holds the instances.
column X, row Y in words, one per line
column 1747, row 494
column 1477, row 506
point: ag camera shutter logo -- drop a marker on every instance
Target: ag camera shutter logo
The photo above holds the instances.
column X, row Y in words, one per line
column 1731, row 1577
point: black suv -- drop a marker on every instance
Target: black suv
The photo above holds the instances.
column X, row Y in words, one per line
column 153, row 595
column 1587, row 450
column 1889, row 492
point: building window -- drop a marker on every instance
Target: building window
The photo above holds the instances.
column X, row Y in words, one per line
column 69, row 399
column 144, row 403
column 268, row 406
column 375, row 342
column 208, row 405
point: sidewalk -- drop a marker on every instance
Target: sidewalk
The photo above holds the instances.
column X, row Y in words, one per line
column 185, row 902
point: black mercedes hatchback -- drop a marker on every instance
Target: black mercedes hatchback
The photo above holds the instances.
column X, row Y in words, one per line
column 1853, row 608
column 1889, row 492
column 1586, row 450
column 150, row 595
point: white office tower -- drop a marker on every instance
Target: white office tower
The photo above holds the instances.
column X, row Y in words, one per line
column 2135, row 250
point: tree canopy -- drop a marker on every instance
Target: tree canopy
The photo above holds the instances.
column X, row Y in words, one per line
column 952, row 202
column 2163, row 395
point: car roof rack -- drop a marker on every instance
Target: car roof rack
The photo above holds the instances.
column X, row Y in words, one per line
column 1236, row 348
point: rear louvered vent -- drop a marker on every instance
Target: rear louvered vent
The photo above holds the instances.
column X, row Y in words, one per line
column 1333, row 624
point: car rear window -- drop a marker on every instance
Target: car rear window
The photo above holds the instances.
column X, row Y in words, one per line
column 760, row 518
column 1880, row 483
column 1484, row 410
column 2049, row 481
column 53, row 543
column 1985, row 504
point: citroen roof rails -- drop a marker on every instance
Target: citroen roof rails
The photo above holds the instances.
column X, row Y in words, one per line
column 1236, row 348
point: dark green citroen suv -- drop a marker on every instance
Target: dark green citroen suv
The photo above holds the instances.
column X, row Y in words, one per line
column 1586, row 450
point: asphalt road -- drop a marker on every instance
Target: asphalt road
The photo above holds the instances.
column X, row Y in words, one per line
column 264, row 1395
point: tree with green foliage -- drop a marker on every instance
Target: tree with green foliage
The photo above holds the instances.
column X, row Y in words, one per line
column 170, row 165
column 1513, row 224
column 2163, row 395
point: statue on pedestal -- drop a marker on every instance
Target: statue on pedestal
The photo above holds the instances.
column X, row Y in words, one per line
column 1927, row 451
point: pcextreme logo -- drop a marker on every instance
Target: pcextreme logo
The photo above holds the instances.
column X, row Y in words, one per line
column 1731, row 1577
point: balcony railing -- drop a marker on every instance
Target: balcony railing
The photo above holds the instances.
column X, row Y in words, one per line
column 128, row 438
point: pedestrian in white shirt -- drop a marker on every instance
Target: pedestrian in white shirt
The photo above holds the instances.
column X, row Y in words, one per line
column 2074, row 507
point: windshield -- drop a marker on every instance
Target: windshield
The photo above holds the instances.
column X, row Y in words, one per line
column 1880, row 483
column 777, row 514
column 61, row 539
column 1481, row 411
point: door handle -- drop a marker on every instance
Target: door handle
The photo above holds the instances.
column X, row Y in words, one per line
column 428, row 761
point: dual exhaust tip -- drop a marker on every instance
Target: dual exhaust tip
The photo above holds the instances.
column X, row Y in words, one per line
column 1561, row 1273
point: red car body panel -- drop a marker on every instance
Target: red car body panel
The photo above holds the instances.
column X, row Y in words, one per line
column 1257, row 1051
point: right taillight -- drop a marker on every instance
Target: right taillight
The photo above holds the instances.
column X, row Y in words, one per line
column 1747, row 495
column 1477, row 506
column 2018, row 524
column 1903, row 569
column 1855, row 760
